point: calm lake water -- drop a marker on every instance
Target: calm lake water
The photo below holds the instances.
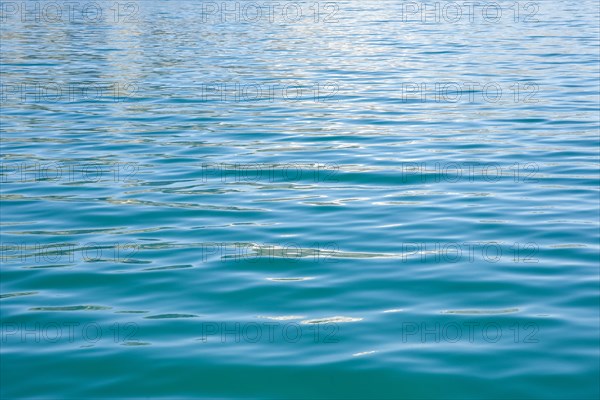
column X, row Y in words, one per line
column 309, row 200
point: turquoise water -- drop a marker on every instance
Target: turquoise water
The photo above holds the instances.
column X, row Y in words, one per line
column 343, row 200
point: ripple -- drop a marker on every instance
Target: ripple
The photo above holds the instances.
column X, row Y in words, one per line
column 131, row 312
column 71, row 308
column 171, row 316
column 16, row 294
column 168, row 267
column 307, row 278
column 364, row 353
column 281, row 317
column 482, row 312
column 331, row 320
column 136, row 344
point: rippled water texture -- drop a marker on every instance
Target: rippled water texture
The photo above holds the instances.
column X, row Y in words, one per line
column 203, row 205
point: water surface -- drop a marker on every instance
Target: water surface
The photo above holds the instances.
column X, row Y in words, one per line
column 300, row 207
